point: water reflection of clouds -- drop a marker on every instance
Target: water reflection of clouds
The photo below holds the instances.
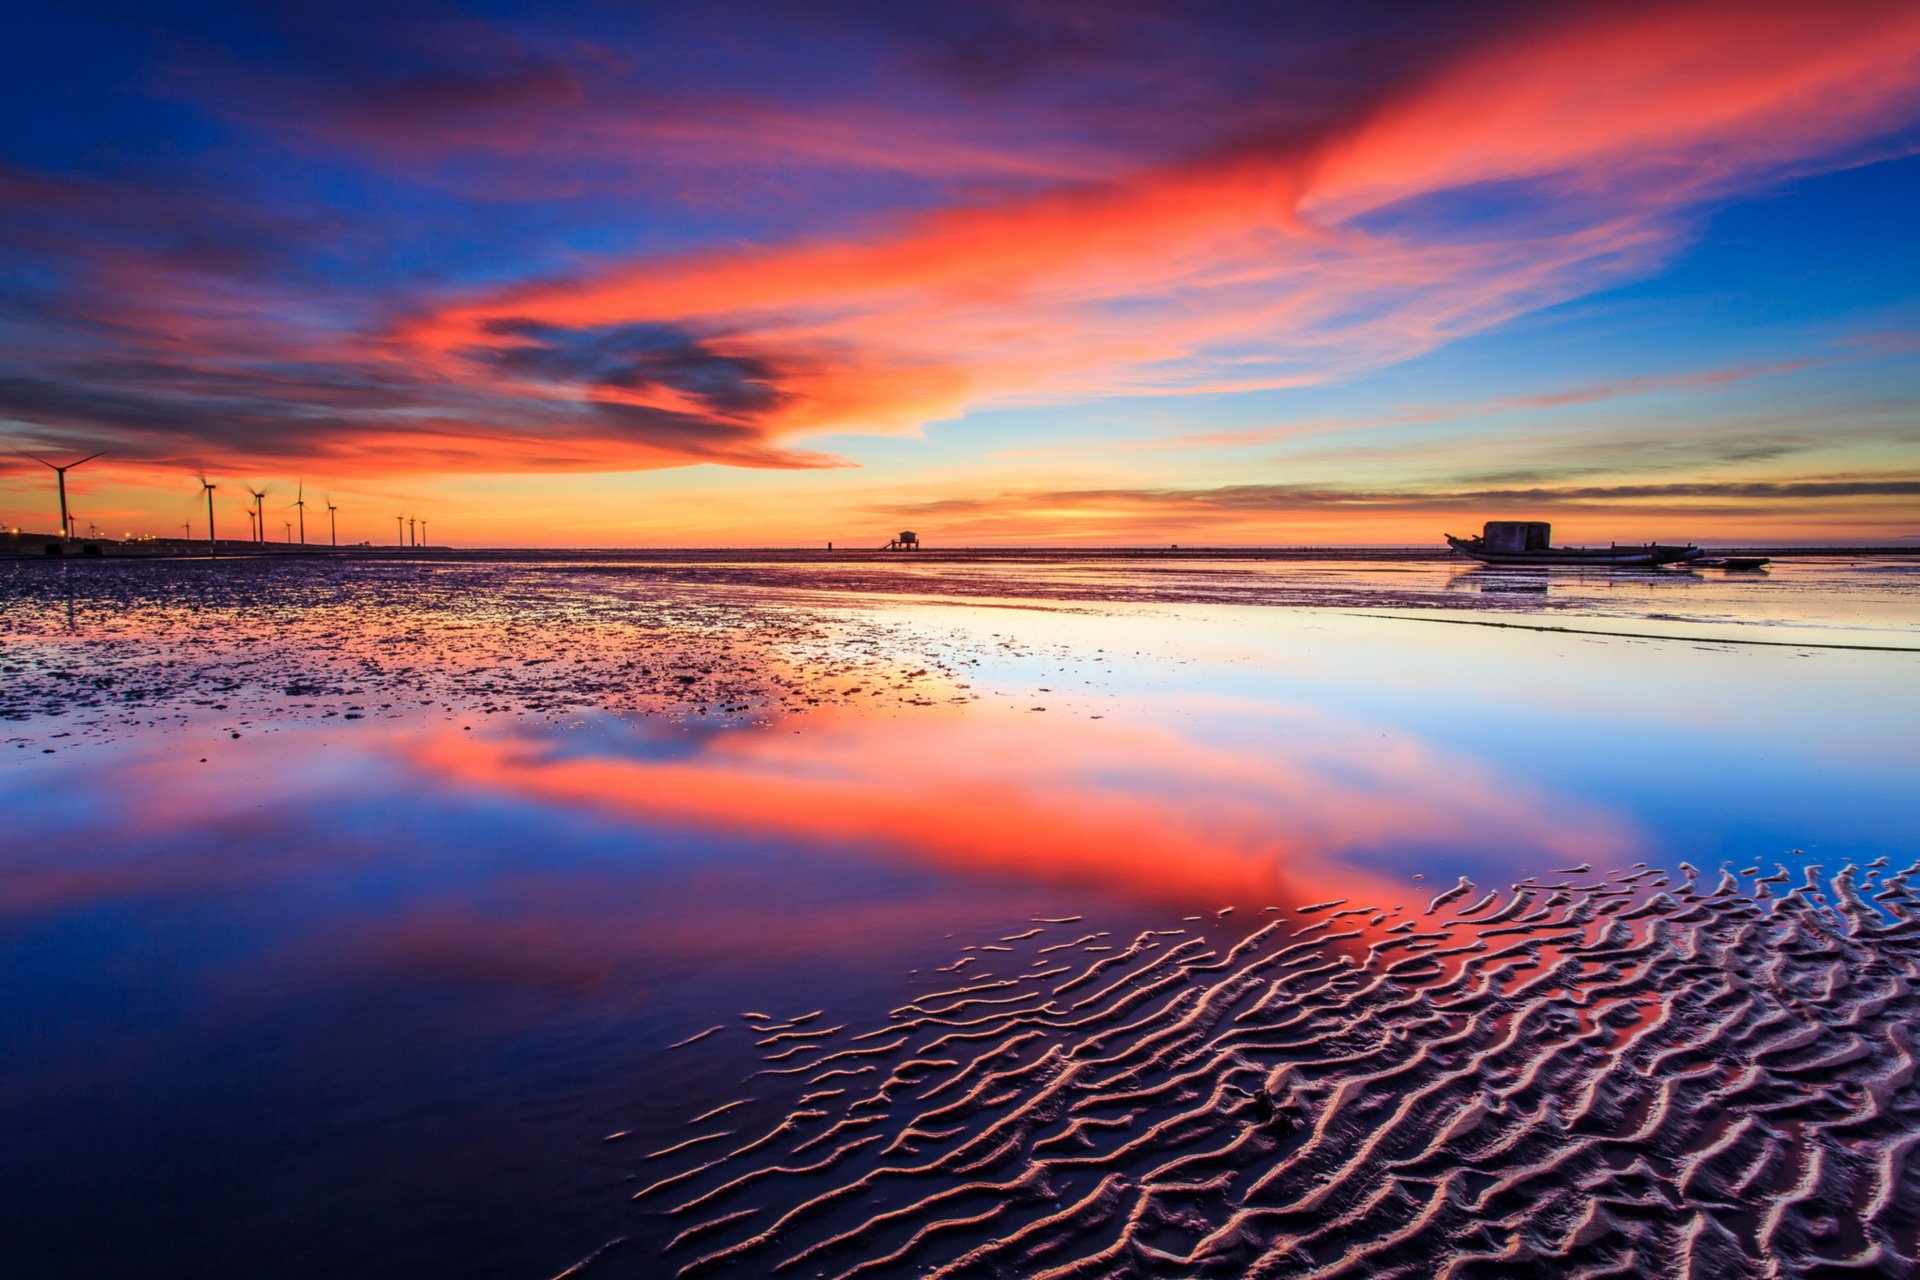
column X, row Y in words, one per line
column 1246, row 756
column 365, row 929
column 546, row 858
column 322, row 858
column 1132, row 810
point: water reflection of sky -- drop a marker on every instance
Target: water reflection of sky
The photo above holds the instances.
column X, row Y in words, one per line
column 1876, row 598
column 361, row 998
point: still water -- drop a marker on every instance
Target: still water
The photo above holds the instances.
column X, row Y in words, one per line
column 296, row 990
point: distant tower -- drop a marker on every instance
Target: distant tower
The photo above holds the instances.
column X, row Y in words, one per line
column 66, row 521
column 213, row 540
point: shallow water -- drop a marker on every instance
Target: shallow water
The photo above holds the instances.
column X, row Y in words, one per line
column 346, row 910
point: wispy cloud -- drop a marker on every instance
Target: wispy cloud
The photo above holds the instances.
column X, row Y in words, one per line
column 1586, row 393
column 1267, row 513
column 1244, row 497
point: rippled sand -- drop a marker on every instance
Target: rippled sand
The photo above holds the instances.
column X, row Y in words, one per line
column 1593, row 1074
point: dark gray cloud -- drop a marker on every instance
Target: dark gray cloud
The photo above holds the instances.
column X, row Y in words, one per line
column 637, row 357
column 1264, row 497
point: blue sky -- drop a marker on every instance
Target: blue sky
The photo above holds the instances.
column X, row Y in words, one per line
column 1133, row 273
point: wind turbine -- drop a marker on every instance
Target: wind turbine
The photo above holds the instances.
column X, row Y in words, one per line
column 413, row 537
column 300, row 501
column 423, row 531
column 66, row 521
column 399, row 531
column 213, row 543
column 333, row 530
column 259, row 514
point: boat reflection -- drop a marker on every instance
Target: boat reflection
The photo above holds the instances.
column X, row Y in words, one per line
column 1569, row 581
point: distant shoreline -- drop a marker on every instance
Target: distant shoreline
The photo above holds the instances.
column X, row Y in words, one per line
column 28, row 547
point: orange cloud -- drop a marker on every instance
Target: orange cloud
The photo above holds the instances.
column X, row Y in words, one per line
column 1282, row 263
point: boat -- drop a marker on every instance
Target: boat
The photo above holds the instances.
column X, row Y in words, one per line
column 1530, row 542
column 1735, row 563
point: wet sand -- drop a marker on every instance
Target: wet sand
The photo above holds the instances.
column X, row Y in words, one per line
column 1584, row 1074
column 133, row 647
column 103, row 652
column 620, row 920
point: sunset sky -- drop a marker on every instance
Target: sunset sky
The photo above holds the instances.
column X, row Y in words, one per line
column 595, row 274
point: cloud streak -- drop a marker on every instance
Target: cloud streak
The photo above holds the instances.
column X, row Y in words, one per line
column 1252, row 512
column 1255, row 496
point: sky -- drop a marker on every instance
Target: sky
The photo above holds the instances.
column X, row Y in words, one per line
column 598, row 274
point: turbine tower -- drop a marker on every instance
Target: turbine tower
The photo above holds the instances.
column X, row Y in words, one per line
column 213, row 543
column 300, row 502
column 412, row 538
column 333, row 530
column 399, row 531
column 66, row 521
column 259, row 514
column 423, row 531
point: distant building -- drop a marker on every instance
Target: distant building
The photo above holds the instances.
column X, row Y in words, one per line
column 1517, row 535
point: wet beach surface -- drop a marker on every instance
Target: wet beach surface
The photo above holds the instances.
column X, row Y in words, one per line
column 1071, row 918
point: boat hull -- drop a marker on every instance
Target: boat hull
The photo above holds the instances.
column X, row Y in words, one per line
column 1601, row 557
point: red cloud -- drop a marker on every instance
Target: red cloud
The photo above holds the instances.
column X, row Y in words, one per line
column 1283, row 263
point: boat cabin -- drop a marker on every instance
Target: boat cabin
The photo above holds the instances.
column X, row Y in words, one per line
column 1509, row 536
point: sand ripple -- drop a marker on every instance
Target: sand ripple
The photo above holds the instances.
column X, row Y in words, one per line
column 1623, row 1074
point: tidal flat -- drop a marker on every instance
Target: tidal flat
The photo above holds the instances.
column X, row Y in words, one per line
column 622, row 918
